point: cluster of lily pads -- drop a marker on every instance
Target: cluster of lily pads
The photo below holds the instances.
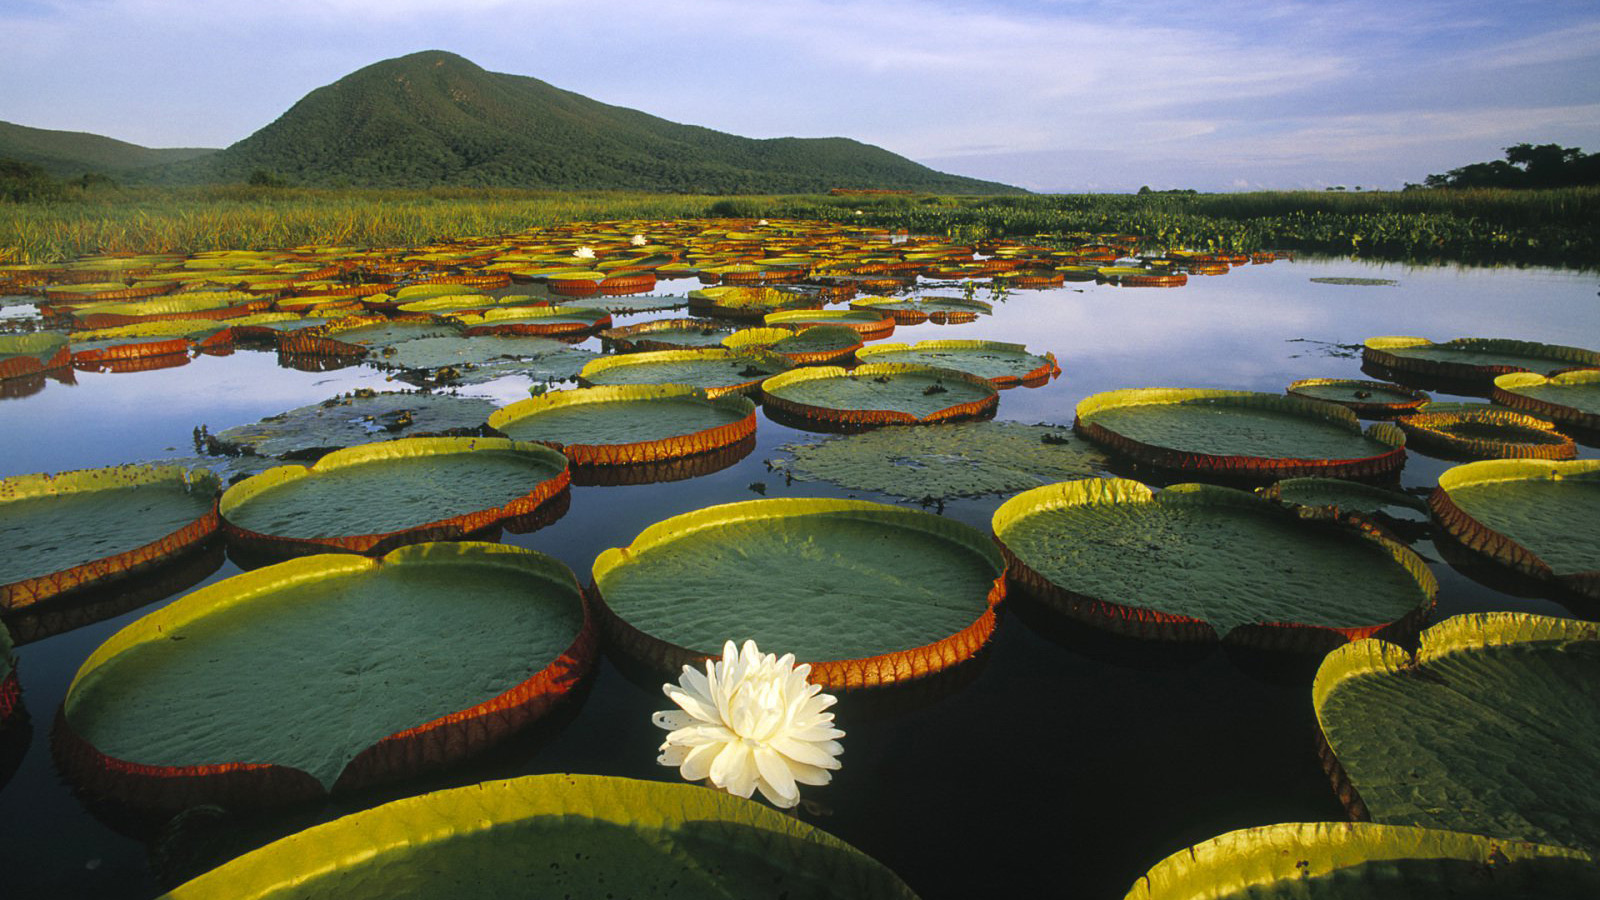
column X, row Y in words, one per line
column 333, row 687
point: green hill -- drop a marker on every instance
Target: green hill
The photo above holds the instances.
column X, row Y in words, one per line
column 434, row 118
column 72, row 153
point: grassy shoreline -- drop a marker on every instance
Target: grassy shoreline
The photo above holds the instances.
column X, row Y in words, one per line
column 1544, row 227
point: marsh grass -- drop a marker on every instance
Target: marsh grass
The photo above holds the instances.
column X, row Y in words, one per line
column 1549, row 227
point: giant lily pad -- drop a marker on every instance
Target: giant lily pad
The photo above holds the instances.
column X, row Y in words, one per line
column 330, row 672
column 75, row 529
column 1475, row 360
column 1534, row 516
column 817, row 345
column 1360, row 396
column 22, row 355
column 870, row 324
column 628, row 424
column 868, row 593
column 748, row 302
column 1485, row 729
column 716, row 370
column 10, row 687
column 1339, row 496
column 1347, row 860
column 1005, row 365
column 1485, row 433
column 938, row 462
column 877, row 394
column 1570, row 398
column 536, row 320
column 460, row 360
column 667, row 334
column 372, row 497
column 359, row 335
column 1239, row 433
column 356, row 418
column 1196, row 562
column 916, row 310
column 586, row 837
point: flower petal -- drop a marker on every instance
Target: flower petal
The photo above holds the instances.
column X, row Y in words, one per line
column 697, row 765
column 775, row 773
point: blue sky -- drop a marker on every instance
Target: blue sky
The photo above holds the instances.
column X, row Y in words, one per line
column 1052, row 95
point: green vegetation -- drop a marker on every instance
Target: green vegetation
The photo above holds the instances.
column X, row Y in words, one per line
column 1542, row 227
column 1525, row 166
column 68, row 154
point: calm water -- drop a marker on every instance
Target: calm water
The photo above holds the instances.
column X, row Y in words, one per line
column 1065, row 766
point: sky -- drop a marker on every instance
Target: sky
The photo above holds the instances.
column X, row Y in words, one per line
column 1049, row 95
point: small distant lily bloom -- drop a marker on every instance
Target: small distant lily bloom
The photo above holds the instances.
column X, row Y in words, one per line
column 751, row 722
column 762, row 222
column 584, row 253
column 637, row 240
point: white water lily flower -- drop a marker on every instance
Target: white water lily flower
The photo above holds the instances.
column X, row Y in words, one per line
column 762, row 222
column 751, row 722
column 584, row 253
column 637, row 240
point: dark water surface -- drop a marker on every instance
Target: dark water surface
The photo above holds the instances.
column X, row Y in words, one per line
column 1066, row 765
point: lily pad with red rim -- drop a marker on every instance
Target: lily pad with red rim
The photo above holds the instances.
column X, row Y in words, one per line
column 628, row 424
column 1570, row 398
column 1005, row 365
column 875, row 394
column 716, row 370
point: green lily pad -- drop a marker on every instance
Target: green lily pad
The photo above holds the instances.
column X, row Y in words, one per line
column 376, row 495
column 1476, row 360
column 667, row 334
column 716, row 370
column 1362, row 397
column 878, row 394
column 22, row 355
column 1003, row 364
column 1341, row 496
column 535, row 320
column 939, row 462
column 351, row 419
column 1485, row 729
column 737, row 302
column 817, row 345
column 866, row 592
column 1196, row 562
column 344, row 669
column 915, row 310
column 1534, row 516
column 475, row 360
column 75, row 529
column 1356, row 282
column 1346, row 860
column 1486, row 433
column 637, row 303
column 628, row 424
column 870, row 324
column 1570, row 398
column 1239, row 433
column 586, row 837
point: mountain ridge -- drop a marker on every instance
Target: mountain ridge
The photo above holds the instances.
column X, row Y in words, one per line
column 434, row 118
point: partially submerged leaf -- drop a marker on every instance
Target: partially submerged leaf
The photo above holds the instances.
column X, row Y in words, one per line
column 357, row 418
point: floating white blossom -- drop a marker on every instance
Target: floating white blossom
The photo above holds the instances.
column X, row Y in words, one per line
column 584, row 253
column 762, row 222
column 750, row 722
column 637, row 240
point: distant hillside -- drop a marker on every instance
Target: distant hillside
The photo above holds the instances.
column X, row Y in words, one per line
column 435, row 118
column 72, row 153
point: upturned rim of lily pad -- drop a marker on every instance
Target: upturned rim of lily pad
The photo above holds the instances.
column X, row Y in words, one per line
column 1388, row 351
column 794, row 380
column 398, row 831
column 28, row 591
column 1511, row 390
column 424, row 746
column 453, row 527
column 1282, row 860
column 1146, row 622
column 836, row 344
column 1503, row 549
column 636, row 338
column 690, row 443
column 872, row 325
column 1511, row 435
column 1255, row 467
column 876, row 671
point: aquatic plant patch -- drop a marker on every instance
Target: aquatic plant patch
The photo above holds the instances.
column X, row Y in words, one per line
column 475, row 360
column 330, row 672
column 940, row 462
column 1475, row 360
column 716, row 370
column 74, row 529
column 869, row 594
column 1485, row 434
column 628, row 424
column 1483, row 729
column 578, row 836
column 1570, row 398
column 1360, row 396
column 1210, row 562
column 1003, row 364
column 667, row 334
column 360, row 417
column 876, row 394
